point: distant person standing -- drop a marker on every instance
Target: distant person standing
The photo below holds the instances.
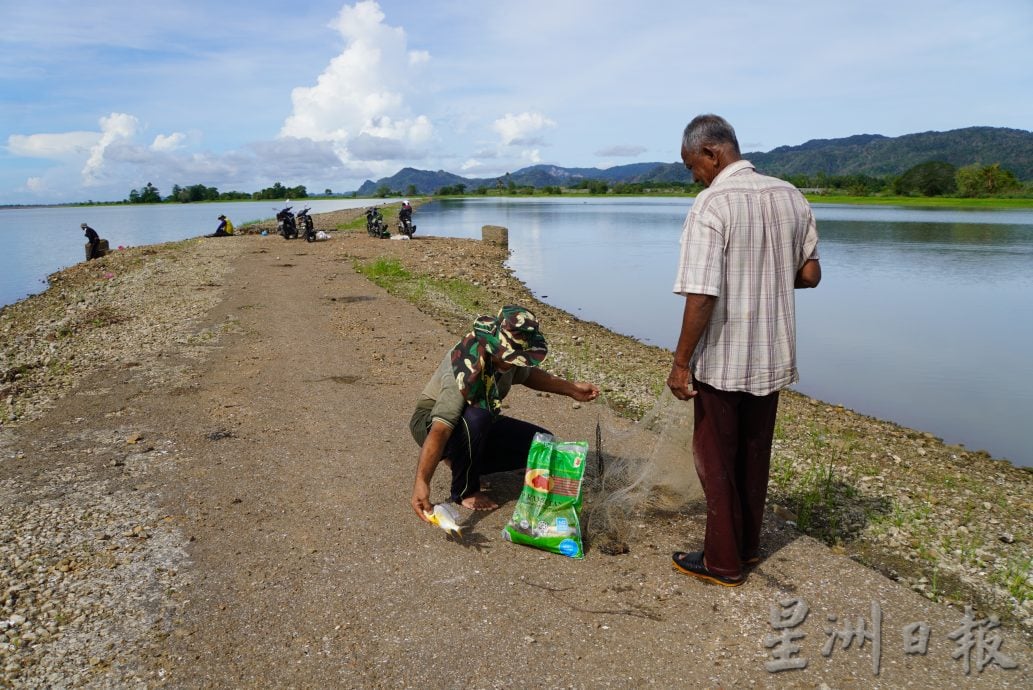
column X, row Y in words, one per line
column 747, row 242
column 93, row 250
column 225, row 228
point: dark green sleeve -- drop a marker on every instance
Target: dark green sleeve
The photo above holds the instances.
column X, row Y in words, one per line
column 449, row 406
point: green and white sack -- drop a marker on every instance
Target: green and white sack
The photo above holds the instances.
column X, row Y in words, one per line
column 548, row 511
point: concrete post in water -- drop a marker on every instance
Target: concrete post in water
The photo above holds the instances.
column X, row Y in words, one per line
column 496, row 234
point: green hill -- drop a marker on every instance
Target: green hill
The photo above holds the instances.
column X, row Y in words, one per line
column 861, row 154
column 873, row 154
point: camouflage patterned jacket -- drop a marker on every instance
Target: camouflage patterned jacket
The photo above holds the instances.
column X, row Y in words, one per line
column 441, row 394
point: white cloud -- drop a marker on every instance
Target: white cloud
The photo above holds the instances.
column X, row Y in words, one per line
column 116, row 127
column 532, row 156
column 110, row 163
column 62, row 145
column 168, row 143
column 358, row 103
column 521, row 129
column 292, row 159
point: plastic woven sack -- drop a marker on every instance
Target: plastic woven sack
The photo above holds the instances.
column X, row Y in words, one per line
column 548, row 511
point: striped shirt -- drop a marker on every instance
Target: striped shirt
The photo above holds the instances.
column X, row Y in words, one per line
column 743, row 241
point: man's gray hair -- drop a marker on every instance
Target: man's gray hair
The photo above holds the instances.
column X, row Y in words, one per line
column 708, row 130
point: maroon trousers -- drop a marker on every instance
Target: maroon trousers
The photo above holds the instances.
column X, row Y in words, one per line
column 732, row 445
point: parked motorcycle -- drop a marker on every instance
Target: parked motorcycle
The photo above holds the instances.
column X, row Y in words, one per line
column 375, row 225
column 304, row 220
column 285, row 223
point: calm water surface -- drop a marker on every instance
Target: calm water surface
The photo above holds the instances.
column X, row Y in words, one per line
column 924, row 317
column 39, row 241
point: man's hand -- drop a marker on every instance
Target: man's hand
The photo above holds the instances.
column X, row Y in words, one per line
column 680, row 382
column 430, row 455
column 421, row 500
column 809, row 275
column 698, row 309
column 541, row 380
column 584, row 392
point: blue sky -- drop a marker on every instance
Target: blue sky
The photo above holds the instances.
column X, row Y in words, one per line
column 100, row 98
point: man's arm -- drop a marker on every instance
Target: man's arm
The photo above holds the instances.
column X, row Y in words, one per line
column 430, row 455
column 809, row 274
column 540, row 380
column 695, row 317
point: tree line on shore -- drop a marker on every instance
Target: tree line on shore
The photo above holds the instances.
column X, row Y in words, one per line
column 149, row 194
column 930, row 179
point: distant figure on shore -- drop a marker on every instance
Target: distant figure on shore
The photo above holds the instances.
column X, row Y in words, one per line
column 747, row 242
column 405, row 224
column 95, row 246
column 225, row 228
column 458, row 415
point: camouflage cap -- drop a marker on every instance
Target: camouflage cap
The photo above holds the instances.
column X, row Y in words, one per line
column 513, row 335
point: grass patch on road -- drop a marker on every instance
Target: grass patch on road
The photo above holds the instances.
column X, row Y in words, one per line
column 354, row 225
column 449, row 294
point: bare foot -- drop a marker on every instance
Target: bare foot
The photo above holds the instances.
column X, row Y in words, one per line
column 478, row 500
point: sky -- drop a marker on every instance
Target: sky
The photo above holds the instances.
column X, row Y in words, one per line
column 99, row 98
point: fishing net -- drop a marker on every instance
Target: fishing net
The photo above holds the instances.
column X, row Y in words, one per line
column 642, row 469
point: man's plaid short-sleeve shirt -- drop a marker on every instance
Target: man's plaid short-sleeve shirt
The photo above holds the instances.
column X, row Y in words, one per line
column 743, row 241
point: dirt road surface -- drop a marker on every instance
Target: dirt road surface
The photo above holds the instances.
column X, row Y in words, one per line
column 275, row 447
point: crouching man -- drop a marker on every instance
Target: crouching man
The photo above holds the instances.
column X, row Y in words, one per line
column 458, row 415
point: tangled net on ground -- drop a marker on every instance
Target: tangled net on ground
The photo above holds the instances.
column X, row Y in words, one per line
column 633, row 472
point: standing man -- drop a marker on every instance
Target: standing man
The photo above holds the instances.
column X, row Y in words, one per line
column 93, row 242
column 747, row 242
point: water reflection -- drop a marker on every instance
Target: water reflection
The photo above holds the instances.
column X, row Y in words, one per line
column 932, row 250
column 923, row 316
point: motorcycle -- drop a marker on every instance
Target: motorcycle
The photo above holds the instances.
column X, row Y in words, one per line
column 285, row 223
column 307, row 225
column 406, row 226
column 375, row 225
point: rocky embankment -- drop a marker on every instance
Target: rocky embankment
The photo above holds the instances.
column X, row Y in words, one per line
column 951, row 523
column 87, row 557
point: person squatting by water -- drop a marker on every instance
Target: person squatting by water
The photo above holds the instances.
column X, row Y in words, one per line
column 94, row 241
column 458, row 415
column 747, row 242
column 225, row 228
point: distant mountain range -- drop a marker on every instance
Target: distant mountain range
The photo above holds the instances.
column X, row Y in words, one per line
column 865, row 154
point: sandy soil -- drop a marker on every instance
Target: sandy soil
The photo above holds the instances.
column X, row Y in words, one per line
column 263, row 459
